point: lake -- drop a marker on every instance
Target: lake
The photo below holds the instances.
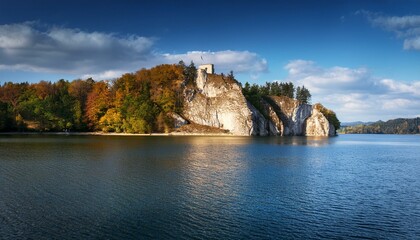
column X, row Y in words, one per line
column 195, row 187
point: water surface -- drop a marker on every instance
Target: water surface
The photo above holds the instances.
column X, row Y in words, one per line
column 116, row 187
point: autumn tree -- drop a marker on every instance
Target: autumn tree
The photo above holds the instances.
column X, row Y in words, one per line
column 43, row 89
column 10, row 93
column 79, row 90
column 97, row 103
column 165, row 81
column 112, row 121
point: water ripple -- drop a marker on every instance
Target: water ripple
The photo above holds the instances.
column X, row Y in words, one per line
column 349, row 187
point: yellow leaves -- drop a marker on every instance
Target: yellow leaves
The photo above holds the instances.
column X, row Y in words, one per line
column 135, row 125
column 111, row 121
column 43, row 89
column 119, row 98
column 98, row 102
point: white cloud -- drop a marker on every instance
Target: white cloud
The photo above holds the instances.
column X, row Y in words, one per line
column 27, row 47
column 397, row 23
column 323, row 80
column 354, row 94
column 406, row 27
column 31, row 47
column 401, row 87
column 15, row 36
column 396, row 104
column 238, row 61
column 109, row 74
column 412, row 43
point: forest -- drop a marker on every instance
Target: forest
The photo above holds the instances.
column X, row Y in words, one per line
column 139, row 102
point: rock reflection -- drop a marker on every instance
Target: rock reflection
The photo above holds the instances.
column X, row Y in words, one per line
column 212, row 170
column 300, row 141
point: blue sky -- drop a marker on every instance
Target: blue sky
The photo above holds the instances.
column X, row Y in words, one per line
column 359, row 58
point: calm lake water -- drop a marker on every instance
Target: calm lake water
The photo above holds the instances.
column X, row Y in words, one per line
column 110, row 187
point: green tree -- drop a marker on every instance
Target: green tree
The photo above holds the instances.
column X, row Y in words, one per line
column 6, row 118
column 48, row 107
column 246, row 89
column 79, row 90
column 287, row 89
column 230, row 75
column 139, row 111
column 303, row 95
column 189, row 72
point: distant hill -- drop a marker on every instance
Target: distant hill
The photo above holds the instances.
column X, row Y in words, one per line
column 349, row 124
column 395, row 126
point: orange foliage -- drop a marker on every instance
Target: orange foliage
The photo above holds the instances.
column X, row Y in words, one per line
column 98, row 101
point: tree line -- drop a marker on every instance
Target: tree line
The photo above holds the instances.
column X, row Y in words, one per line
column 256, row 93
column 140, row 102
column 287, row 89
column 394, row 126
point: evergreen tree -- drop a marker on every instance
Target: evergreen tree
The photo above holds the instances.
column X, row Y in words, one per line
column 230, row 75
column 303, row 95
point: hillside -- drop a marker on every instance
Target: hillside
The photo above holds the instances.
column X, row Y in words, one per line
column 395, row 126
column 162, row 100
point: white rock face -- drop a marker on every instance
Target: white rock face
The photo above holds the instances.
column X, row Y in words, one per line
column 219, row 102
column 317, row 124
column 299, row 119
column 201, row 79
column 293, row 115
column 297, row 123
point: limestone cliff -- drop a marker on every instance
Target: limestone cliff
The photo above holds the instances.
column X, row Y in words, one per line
column 217, row 101
column 318, row 125
column 297, row 119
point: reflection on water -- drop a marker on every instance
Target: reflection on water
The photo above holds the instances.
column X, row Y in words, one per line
column 211, row 170
column 299, row 141
column 350, row 186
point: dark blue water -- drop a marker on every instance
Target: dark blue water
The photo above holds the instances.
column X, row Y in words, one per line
column 109, row 187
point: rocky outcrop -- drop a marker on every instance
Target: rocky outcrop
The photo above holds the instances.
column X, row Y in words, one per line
column 260, row 125
column 291, row 113
column 318, row 125
column 217, row 101
column 297, row 119
column 275, row 124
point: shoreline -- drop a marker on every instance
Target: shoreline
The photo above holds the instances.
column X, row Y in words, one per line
column 163, row 134
column 121, row 134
